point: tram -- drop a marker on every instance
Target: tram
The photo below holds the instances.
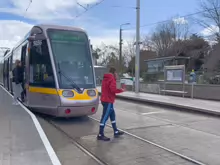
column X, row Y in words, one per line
column 99, row 72
column 58, row 71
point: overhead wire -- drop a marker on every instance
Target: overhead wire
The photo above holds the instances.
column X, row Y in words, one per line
column 3, row 48
column 88, row 8
column 81, row 5
column 183, row 16
column 150, row 24
column 128, row 7
column 145, row 25
column 28, row 5
column 77, row 16
column 27, row 8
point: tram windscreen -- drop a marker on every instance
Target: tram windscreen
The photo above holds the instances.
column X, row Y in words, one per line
column 71, row 51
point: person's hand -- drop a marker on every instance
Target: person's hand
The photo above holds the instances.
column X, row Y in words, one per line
column 123, row 89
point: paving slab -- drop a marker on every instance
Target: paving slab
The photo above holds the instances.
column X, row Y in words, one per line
column 191, row 134
column 201, row 122
column 128, row 150
column 194, row 144
column 166, row 114
column 67, row 152
column 20, row 143
column 130, row 121
column 210, row 125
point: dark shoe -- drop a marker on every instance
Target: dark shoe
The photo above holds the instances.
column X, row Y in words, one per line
column 118, row 133
column 103, row 137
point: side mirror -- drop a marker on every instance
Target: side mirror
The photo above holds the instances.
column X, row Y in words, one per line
column 31, row 38
column 36, row 37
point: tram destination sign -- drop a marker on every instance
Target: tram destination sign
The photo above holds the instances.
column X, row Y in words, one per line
column 67, row 36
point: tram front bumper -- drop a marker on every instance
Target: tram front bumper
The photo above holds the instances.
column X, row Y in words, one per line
column 77, row 111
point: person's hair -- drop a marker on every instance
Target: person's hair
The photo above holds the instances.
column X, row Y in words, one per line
column 112, row 70
column 17, row 62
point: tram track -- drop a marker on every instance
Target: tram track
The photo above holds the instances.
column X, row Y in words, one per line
column 102, row 162
column 75, row 142
column 196, row 162
column 78, row 145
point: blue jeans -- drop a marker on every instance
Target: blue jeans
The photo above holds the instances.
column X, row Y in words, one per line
column 108, row 111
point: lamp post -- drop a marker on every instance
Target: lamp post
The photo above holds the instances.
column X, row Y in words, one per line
column 120, row 46
column 137, row 59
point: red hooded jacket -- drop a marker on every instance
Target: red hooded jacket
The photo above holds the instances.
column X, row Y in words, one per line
column 109, row 89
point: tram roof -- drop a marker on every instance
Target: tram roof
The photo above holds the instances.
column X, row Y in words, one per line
column 50, row 26
column 44, row 27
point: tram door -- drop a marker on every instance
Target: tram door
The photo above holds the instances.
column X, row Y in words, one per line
column 23, row 61
column 10, row 74
column 6, row 74
column 41, row 92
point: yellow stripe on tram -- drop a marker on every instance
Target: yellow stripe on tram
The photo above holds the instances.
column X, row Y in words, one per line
column 51, row 91
column 54, row 91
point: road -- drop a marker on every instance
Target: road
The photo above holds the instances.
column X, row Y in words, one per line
column 194, row 136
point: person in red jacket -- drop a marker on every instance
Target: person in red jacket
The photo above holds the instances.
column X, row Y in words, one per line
column 109, row 91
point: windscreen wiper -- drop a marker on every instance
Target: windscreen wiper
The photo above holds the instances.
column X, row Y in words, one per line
column 73, row 84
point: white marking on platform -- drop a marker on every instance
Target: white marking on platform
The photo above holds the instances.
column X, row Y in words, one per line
column 53, row 157
column 149, row 113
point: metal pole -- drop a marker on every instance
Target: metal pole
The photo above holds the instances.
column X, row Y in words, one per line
column 137, row 59
column 192, row 91
column 120, row 51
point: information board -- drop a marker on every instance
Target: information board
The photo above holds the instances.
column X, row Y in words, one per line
column 175, row 75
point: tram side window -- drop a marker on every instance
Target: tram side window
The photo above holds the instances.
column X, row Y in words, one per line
column 16, row 55
column 1, row 71
column 41, row 73
column 5, row 69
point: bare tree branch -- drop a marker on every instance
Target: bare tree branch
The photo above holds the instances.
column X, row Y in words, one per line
column 166, row 35
column 210, row 17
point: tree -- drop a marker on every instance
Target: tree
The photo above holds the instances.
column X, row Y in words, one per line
column 167, row 34
column 131, row 66
column 194, row 47
column 129, row 55
column 95, row 54
column 147, row 43
column 212, row 61
column 108, row 55
column 210, row 19
column 197, row 49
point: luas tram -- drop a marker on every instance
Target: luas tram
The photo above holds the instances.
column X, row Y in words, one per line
column 58, row 71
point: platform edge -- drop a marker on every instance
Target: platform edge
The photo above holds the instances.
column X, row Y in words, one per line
column 52, row 155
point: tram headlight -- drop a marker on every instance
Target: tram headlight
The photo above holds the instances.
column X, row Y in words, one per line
column 91, row 93
column 67, row 93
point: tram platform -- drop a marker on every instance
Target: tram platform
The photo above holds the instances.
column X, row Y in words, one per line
column 197, row 105
column 21, row 140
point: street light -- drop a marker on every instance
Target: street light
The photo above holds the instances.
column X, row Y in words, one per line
column 137, row 59
column 120, row 46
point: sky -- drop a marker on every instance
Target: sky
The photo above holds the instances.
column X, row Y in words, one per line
column 102, row 22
